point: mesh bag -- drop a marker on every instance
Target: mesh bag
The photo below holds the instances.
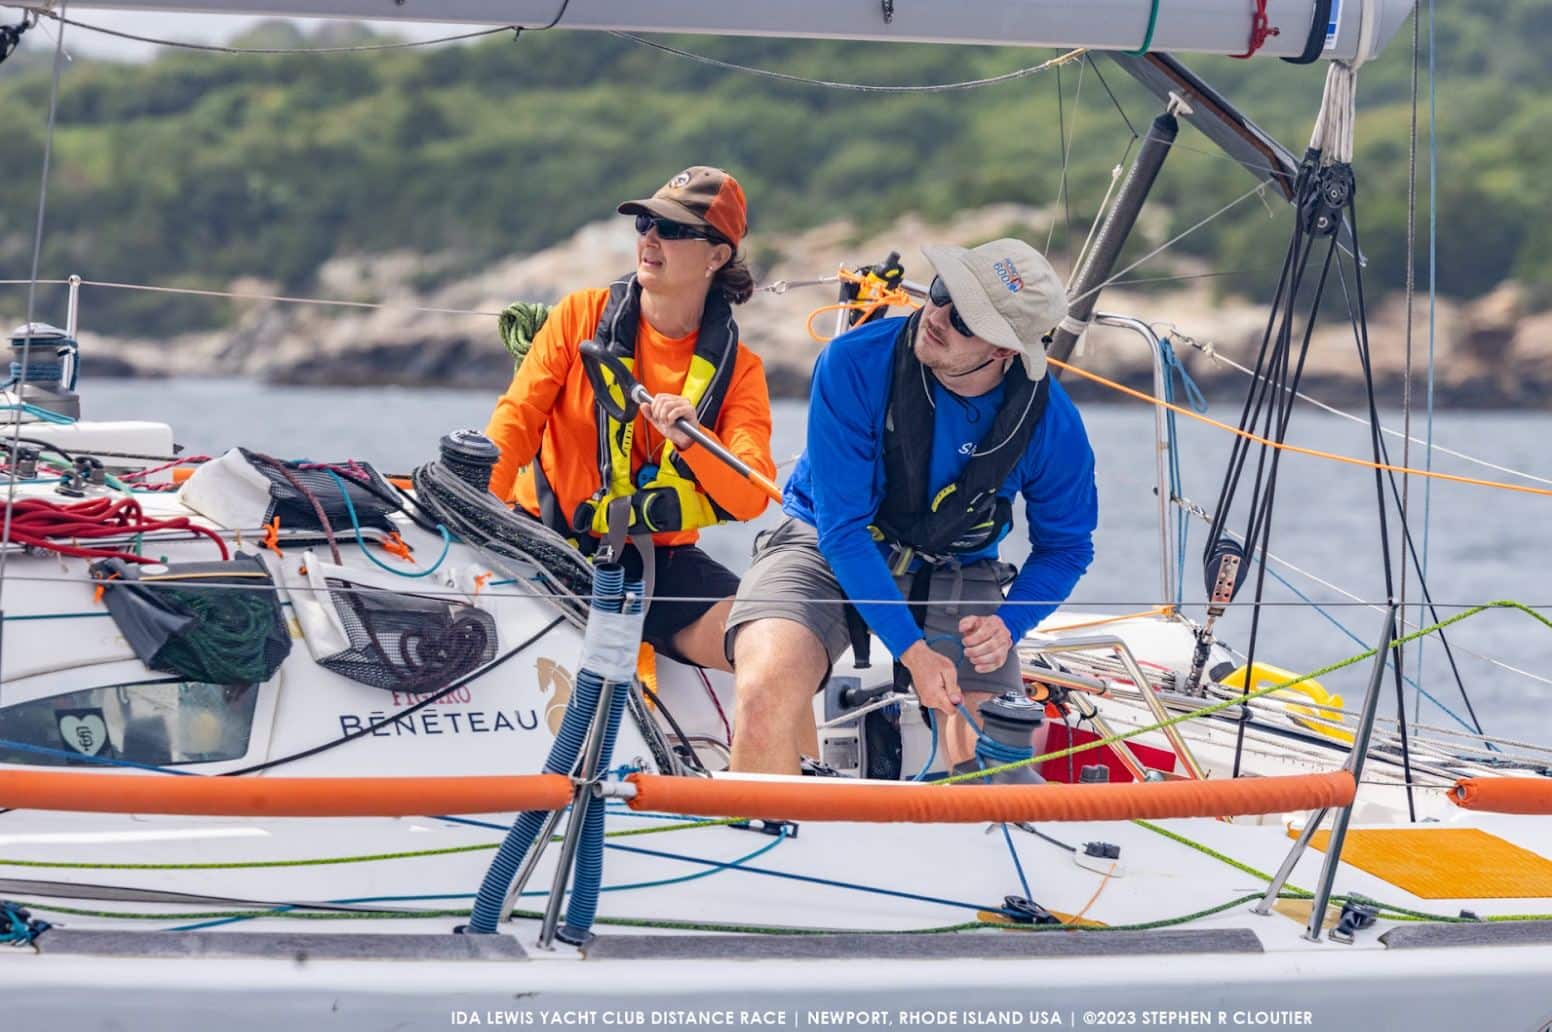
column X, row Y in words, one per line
column 219, row 623
column 407, row 643
column 296, row 510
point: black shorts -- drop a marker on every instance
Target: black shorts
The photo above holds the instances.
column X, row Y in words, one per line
column 683, row 572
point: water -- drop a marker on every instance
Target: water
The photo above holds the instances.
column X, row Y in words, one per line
column 1481, row 544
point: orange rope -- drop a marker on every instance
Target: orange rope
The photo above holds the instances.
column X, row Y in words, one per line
column 1075, row 918
column 272, row 537
column 395, row 545
column 1247, row 435
column 872, row 295
column 1155, row 611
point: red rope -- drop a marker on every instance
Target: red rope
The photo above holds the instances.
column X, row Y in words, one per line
column 38, row 523
column 139, row 473
column 1261, row 30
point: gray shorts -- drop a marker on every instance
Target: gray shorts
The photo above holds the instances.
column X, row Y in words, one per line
column 790, row 580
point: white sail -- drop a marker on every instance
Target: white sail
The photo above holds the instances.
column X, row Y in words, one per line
column 1181, row 26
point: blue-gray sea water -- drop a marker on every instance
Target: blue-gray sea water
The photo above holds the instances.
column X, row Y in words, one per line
column 1480, row 543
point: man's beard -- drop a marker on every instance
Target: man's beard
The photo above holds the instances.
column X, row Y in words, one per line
column 931, row 352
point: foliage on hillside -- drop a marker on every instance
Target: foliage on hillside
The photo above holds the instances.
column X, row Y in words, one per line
column 196, row 168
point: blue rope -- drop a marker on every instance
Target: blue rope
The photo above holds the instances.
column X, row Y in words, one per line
column 1345, row 630
column 447, row 541
column 1016, row 865
column 55, row 616
column 1198, row 403
column 106, row 761
column 991, row 752
column 810, row 879
column 43, row 414
column 1172, row 368
column 17, row 925
column 729, row 865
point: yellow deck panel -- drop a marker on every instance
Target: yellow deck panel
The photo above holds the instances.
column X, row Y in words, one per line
column 1445, row 863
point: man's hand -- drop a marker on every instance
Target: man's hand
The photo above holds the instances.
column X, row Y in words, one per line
column 664, row 410
column 986, row 640
column 933, row 676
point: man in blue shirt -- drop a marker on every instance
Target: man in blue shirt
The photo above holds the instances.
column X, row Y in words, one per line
column 921, row 433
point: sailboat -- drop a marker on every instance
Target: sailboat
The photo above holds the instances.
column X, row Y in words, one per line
column 288, row 740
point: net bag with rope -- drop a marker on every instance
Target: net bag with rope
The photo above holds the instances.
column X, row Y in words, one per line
column 219, row 623
column 389, row 639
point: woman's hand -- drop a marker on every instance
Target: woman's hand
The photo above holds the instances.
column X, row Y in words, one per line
column 667, row 409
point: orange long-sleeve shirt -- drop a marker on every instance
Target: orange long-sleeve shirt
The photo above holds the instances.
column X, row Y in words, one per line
column 547, row 415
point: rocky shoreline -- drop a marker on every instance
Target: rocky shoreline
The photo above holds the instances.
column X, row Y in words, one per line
column 1490, row 353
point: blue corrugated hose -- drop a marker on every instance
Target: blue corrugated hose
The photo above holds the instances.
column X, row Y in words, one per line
column 588, row 875
column 608, row 588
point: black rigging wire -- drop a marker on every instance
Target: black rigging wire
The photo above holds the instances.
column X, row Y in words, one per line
column 1411, row 548
column 1111, row 93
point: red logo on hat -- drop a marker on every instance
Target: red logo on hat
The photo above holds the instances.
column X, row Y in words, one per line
column 1009, row 274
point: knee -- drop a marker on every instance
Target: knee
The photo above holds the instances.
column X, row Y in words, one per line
column 777, row 664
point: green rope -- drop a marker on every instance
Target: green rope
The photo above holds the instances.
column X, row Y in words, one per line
column 1240, row 700
column 518, row 324
column 1209, row 851
column 1147, row 39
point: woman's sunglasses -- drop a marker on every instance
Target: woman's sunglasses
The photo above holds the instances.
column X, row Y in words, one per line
column 669, row 230
column 938, row 294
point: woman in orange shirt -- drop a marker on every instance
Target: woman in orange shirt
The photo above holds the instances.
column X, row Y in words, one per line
column 564, row 461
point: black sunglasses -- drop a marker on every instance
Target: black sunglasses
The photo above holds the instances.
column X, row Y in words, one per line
column 937, row 293
column 667, row 229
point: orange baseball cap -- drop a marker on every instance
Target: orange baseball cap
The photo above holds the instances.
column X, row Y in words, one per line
column 699, row 196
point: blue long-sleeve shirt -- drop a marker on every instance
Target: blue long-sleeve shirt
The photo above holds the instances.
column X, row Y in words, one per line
column 838, row 483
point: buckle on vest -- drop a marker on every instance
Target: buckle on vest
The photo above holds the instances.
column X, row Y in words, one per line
column 900, row 558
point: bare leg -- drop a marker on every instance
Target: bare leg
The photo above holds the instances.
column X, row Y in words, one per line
column 959, row 737
column 701, row 641
column 778, row 664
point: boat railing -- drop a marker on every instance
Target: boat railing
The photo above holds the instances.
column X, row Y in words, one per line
column 1163, row 443
column 1117, row 647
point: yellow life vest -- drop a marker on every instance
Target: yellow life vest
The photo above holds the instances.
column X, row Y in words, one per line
column 664, row 496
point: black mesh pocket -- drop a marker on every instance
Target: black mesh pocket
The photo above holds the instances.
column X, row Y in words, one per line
column 296, row 510
column 408, row 643
column 219, row 623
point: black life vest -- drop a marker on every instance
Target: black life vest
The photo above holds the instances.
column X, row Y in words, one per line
column 967, row 515
column 668, row 497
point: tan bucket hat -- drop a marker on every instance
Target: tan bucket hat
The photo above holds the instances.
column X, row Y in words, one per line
column 1006, row 292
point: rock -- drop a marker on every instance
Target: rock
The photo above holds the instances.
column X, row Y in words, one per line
column 1488, row 352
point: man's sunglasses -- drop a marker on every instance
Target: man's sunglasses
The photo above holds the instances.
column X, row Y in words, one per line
column 938, row 294
column 670, row 230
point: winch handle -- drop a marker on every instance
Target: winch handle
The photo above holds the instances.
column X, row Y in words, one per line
column 595, row 359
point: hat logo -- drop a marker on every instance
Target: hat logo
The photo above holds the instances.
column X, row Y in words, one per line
column 682, row 179
column 1009, row 274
